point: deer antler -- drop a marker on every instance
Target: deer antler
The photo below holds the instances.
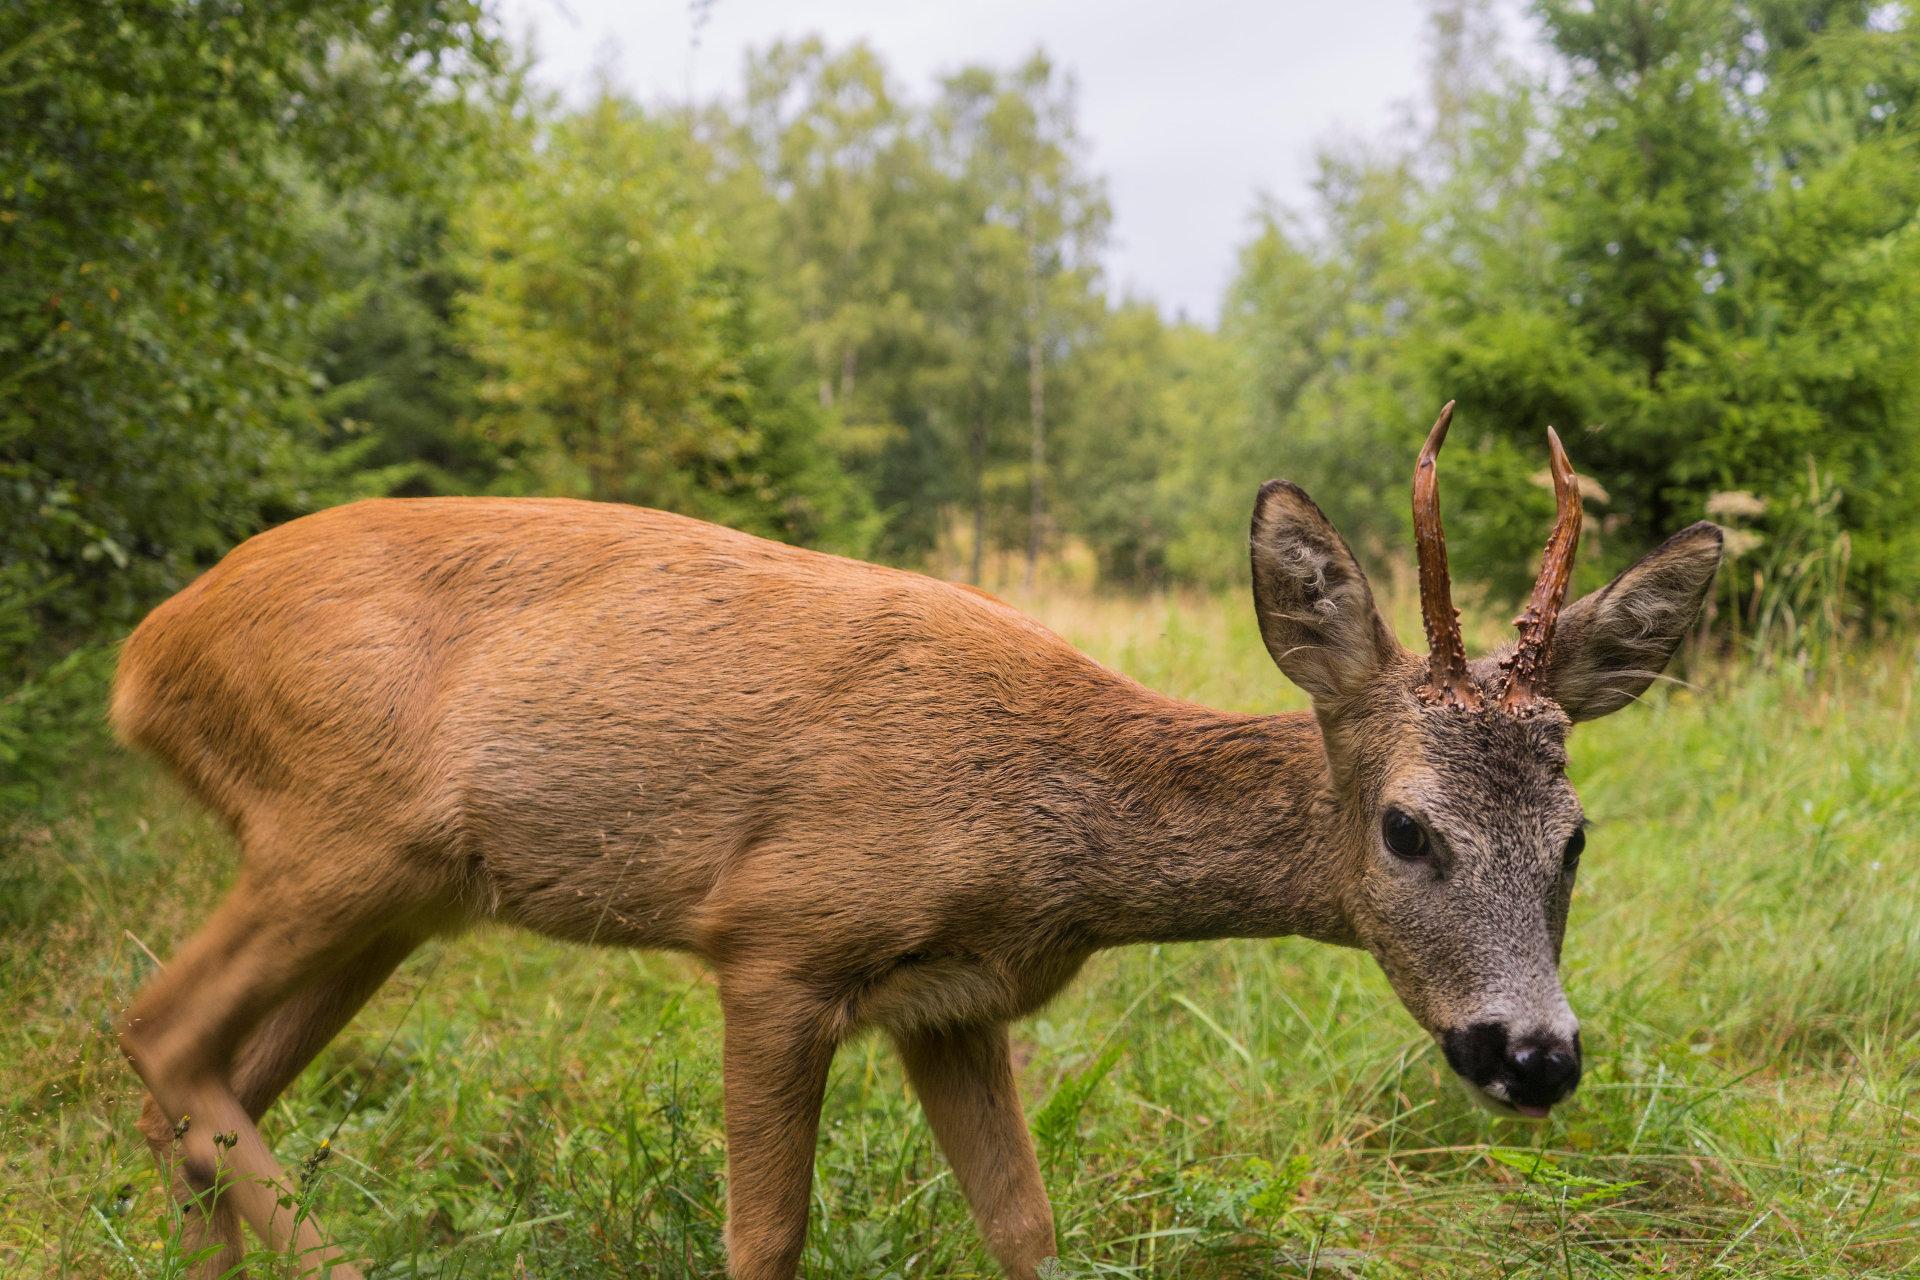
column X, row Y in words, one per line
column 1526, row 665
column 1447, row 679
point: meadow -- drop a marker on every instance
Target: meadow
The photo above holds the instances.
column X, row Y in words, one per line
column 1744, row 953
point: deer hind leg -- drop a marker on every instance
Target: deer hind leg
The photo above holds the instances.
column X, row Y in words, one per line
column 774, row 1062
column 964, row 1076
column 209, row 1228
column 186, row 1030
column 273, row 1057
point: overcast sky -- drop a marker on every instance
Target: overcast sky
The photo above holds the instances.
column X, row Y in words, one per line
column 1191, row 109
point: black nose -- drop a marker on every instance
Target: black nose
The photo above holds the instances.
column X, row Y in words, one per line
column 1533, row 1071
column 1540, row 1072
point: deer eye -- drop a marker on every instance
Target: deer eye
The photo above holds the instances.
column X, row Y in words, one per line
column 1576, row 844
column 1405, row 838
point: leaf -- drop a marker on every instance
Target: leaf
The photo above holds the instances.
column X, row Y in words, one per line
column 1060, row 1114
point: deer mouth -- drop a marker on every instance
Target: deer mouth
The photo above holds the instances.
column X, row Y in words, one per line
column 1492, row 1097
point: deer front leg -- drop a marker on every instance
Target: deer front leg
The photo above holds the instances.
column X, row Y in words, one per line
column 964, row 1077
column 774, row 1063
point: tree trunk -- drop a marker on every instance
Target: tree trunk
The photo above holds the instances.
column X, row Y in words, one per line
column 1037, row 413
column 977, row 446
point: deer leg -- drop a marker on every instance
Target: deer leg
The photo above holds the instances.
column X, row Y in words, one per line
column 273, row 1057
column 209, row 1228
column 964, row 1076
column 185, row 1030
column 774, row 1063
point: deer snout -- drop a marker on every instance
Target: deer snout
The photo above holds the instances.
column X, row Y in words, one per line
column 1526, row 1073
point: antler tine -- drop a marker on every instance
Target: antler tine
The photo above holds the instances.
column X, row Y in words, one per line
column 1528, row 662
column 1447, row 679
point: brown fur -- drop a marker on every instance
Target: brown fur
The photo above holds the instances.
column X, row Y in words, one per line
column 868, row 799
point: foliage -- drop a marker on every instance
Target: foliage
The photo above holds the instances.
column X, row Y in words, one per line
column 1691, row 246
column 938, row 260
column 1149, row 450
column 167, row 174
column 257, row 258
column 400, row 388
column 855, row 218
column 624, row 353
column 165, row 168
column 1024, row 168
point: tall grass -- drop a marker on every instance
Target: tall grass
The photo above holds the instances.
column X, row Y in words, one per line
column 1744, row 952
column 1785, row 593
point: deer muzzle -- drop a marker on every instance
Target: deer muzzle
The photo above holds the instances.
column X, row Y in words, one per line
column 1522, row 1074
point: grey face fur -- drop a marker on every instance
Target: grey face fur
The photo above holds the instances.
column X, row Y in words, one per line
column 1469, row 930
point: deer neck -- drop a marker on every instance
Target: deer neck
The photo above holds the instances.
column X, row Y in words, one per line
column 1194, row 823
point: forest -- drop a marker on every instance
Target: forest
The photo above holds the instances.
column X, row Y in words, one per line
column 286, row 255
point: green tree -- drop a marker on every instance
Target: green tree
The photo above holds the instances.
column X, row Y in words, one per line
column 164, row 174
column 1719, row 287
column 936, row 260
column 855, row 247
column 1690, row 246
column 169, row 175
column 1157, row 464
column 980, row 329
column 1327, row 318
column 622, row 342
column 1030, row 166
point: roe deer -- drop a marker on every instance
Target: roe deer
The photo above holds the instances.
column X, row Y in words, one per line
column 865, row 798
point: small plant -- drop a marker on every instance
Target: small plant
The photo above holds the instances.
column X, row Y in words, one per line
column 1785, row 589
column 1054, row 1126
column 1548, row 1186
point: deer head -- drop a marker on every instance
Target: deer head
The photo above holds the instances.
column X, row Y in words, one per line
column 1461, row 832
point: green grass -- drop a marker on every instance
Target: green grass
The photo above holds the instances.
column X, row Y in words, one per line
column 1745, row 955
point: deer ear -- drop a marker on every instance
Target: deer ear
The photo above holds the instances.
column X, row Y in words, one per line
column 1316, row 610
column 1609, row 646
